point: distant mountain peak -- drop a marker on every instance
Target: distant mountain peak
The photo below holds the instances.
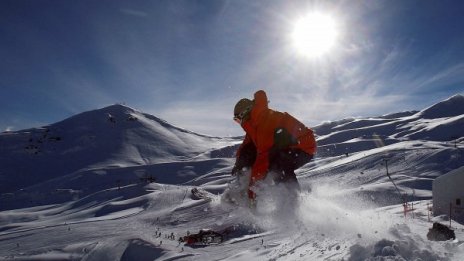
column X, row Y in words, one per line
column 457, row 96
column 453, row 106
column 118, row 108
column 112, row 136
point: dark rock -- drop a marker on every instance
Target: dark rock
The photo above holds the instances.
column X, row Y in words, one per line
column 440, row 232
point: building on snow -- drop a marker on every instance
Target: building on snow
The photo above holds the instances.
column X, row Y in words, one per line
column 448, row 194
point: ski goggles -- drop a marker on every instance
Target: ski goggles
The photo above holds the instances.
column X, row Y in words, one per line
column 238, row 118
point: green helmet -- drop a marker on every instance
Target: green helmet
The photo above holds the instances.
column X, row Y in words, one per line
column 242, row 109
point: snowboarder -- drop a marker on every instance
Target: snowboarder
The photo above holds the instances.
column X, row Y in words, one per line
column 275, row 143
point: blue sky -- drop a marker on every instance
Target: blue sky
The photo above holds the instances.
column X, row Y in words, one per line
column 189, row 62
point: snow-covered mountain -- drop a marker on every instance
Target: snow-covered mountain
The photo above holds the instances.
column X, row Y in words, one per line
column 443, row 121
column 115, row 139
column 82, row 189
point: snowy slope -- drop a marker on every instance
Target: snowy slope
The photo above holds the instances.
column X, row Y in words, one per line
column 90, row 199
column 89, row 145
column 443, row 121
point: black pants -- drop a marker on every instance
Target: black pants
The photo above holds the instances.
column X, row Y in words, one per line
column 282, row 163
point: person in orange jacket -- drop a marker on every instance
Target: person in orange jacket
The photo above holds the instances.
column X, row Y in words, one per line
column 275, row 143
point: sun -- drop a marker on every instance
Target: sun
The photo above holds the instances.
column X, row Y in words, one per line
column 314, row 35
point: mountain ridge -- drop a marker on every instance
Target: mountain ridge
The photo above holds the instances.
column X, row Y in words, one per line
column 118, row 136
column 115, row 135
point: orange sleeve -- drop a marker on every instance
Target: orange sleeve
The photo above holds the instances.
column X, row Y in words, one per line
column 260, row 168
column 303, row 134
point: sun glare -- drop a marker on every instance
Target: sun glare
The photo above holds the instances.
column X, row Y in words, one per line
column 314, row 35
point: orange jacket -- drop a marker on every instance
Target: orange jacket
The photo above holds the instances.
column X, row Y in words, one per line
column 261, row 128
